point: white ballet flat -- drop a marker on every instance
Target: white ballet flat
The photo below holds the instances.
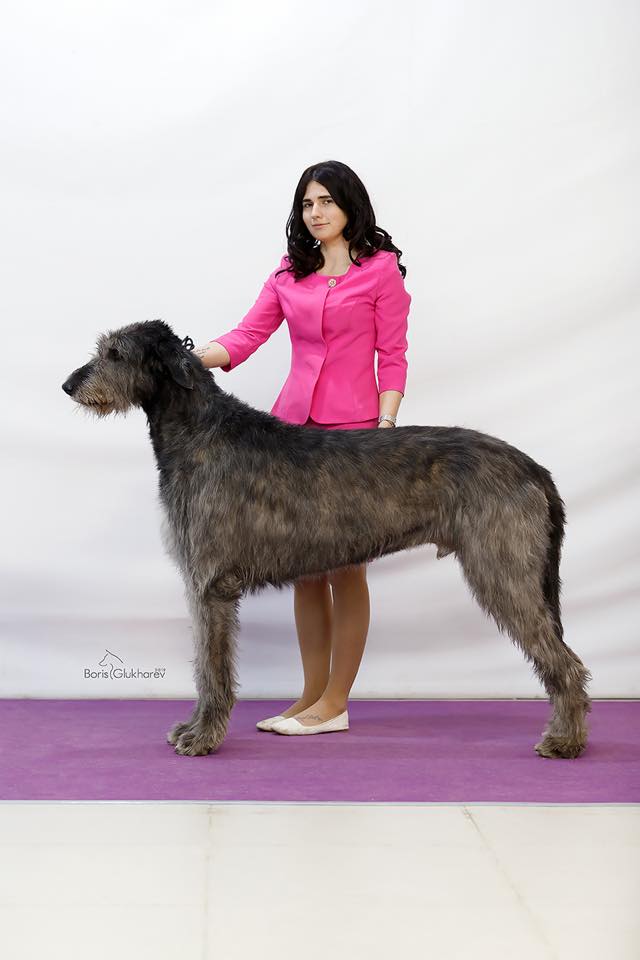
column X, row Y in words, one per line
column 268, row 723
column 293, row 727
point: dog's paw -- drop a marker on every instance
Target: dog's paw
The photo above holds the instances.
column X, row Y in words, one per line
column 559, row 748
column 197, row 741
column 175, row 732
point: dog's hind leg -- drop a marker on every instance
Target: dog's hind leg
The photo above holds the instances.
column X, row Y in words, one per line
column 506, row 568
column 215, row 624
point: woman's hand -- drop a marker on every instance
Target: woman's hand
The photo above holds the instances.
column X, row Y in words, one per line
column 386, row 423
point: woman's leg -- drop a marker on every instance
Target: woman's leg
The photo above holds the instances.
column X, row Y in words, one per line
column 351, row 615
column 331, row 633
column 313, row 614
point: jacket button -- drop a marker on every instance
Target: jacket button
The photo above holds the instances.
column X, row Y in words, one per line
column 332, row 282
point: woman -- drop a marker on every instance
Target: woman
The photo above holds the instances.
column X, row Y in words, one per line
column 340, row 309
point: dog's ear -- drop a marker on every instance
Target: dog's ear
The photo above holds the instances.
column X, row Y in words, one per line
column 177, row 364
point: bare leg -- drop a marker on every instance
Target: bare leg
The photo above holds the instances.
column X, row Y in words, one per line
column 351, row 617
column 313, row 614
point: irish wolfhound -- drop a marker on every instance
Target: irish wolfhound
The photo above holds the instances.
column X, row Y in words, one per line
column 250, row 500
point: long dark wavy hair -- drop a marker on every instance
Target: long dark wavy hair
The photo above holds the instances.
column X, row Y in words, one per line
column 361, row 230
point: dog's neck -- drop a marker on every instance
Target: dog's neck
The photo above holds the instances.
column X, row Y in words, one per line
column 175, row 414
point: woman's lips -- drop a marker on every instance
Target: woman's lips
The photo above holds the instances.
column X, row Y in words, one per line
column 319, row 224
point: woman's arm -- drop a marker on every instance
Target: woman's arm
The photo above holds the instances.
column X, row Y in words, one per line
column 263, row 319
column 389, row 403
column 213, row 354
column 391, row 320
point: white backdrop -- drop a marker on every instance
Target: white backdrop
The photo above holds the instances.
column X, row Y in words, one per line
column 149, row 154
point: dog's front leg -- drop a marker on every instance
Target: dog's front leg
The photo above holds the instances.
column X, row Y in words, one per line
column 215, row 625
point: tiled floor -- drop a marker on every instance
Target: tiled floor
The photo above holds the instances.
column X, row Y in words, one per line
column 238, row 881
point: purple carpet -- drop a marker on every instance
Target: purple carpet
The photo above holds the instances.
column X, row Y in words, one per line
column 438, row 751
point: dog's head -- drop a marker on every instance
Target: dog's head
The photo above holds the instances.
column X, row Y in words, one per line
column 129, row 365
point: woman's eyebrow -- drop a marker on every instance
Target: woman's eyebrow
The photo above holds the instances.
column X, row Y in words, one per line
column 320, row 197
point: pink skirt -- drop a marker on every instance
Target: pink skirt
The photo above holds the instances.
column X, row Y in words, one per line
column 361, row 425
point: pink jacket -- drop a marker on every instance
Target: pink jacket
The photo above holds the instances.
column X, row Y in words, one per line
column 335, row 325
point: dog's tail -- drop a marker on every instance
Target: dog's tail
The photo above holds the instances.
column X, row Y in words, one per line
column 551, row 580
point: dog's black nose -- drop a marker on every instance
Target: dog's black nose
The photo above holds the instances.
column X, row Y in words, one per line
column 67, row 386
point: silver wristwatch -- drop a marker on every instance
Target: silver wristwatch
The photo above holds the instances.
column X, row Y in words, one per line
column 387, row 416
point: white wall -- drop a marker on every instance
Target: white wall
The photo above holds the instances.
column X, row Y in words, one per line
column 149, row 154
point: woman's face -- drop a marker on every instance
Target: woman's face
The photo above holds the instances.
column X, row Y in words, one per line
column 322, row 216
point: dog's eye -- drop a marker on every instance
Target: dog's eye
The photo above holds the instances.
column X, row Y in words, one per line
column 113, row 354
